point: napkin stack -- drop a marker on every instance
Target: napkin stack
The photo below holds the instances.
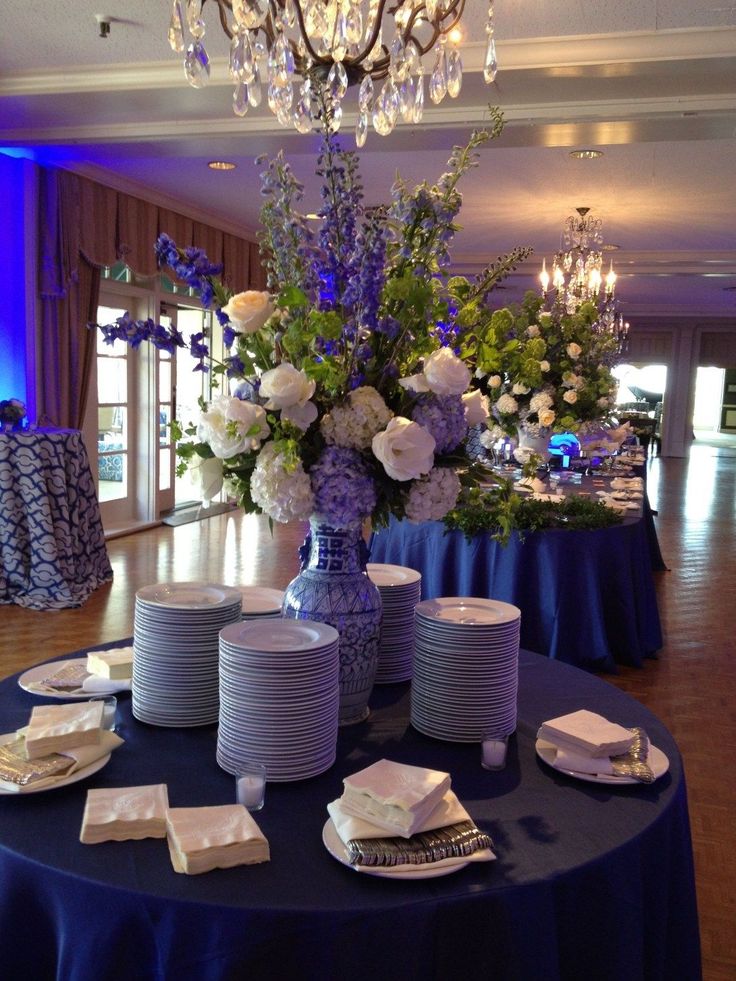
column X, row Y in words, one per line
column 585, row 741
column 206, row 838
column 53, row 728
column 115, row 664
column 124, row 814
column 408, row 802
column 17, row 772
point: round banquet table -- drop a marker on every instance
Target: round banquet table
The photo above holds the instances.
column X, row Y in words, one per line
column 591, row 881
column 586, row 597
column 52, row 545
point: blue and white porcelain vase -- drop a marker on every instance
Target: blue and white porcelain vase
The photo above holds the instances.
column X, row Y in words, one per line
column 333, row 587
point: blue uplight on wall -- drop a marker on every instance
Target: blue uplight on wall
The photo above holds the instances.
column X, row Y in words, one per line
column 13, row 383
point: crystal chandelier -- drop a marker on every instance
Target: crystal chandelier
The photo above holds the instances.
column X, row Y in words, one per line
column 577, row 274
column 287, row 47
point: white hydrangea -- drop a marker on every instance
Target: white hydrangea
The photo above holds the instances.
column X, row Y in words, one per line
column 542, row 400
column 285, row 494
column 433, row 496
column 354, row 423
column 489, row 437
column 507, row 404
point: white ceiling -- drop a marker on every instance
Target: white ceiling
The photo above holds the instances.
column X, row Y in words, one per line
column 652, row 83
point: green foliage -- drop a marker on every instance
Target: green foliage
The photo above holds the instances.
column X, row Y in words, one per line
column 500, row 512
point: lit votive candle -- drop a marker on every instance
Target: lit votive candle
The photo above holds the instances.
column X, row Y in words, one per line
column 493, row 749
column 250, row 785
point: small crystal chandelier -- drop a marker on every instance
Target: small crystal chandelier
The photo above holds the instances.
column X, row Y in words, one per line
column 286, row 46
column 577, row 274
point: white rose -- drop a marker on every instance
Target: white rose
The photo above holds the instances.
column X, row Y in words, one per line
column 301, row 414
column 477, row 407
column 285, row 386
column 574, row 350
column 520, row 389
column 414, row 383
column 446, row 374
column 209, row 473
column 405, row 449
column 544, row 366
column 532, row 330
column 546, row 417
column 570, row 396
column 230, row 427
column 249, row 311
column 494, row 381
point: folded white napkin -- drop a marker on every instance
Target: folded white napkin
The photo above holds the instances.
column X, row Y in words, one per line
column 105, row 686
column 394, row 796
column 53, row 728
column 220, row 837
column 124, row 813
column 565, row 759
column 115, row 664
column 81, row 756
column 586, row 733
column 447, row 812
column 547, row 497
column 533, row 483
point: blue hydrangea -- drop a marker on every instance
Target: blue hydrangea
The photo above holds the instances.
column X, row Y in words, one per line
column 444, row 417
column 344, row 491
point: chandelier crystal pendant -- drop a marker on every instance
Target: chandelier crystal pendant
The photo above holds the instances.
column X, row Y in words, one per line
column 283, row 46
column 577, row 274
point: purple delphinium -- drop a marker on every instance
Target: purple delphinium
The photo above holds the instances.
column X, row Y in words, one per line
column 342, row 194
column 343, row 488
column 363, row 291
column 190, row 265
column 444, row 417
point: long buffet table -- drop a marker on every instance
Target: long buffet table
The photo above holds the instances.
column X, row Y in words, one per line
column 52, row 545
column 586, row 597
column 591, row 881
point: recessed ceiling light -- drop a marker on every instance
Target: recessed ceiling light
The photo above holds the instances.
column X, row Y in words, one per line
column 610, row 248
column 586, row 154
column 221, row 165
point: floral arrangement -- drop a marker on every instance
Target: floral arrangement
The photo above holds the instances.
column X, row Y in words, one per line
column 544, row 371
column 350, row 391
column 12, row 411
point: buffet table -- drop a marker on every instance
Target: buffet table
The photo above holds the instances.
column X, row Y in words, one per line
column 586, row 597
column 591, row 881
column 52, row 546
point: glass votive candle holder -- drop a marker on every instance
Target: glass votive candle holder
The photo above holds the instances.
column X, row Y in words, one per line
column 109, row 710
column 250, row 785
column 494, row 746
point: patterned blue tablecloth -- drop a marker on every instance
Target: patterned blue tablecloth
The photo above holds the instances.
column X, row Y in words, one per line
column 52, row 546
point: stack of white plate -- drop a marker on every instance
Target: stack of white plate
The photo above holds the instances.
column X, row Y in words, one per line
column 400, row 590
column 466, row 668
column 260, row 602
column 175, row 644
column 279, row 697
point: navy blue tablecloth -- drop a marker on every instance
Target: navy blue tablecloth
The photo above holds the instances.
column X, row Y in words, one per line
column 52, row 546
column 591, row 881
column 586, row 597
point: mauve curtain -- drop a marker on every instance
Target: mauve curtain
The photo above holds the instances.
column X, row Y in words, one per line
column 69, row 286
column 84, row 225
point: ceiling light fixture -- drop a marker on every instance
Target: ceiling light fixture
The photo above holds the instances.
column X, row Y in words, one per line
column 577, row 273
column 275, row 44
column 221, row 165
column 586, row 154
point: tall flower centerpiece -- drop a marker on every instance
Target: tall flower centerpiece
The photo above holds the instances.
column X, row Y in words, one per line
column 12, row 414
column 349, row 394
column 544, row 372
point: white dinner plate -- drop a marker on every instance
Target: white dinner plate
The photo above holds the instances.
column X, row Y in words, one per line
column 189, row 595
column 656, row 760
column 260, row 599
column 37, row 673
column 64, row 781
column 383, row 574
column 432, row 870
column 467, row 610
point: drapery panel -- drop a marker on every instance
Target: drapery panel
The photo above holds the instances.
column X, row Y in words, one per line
column 83, row 226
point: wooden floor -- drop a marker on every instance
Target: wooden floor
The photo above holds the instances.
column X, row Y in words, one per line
column 691, row 687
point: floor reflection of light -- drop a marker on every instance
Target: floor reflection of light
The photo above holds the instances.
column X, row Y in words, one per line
column 699, row 489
